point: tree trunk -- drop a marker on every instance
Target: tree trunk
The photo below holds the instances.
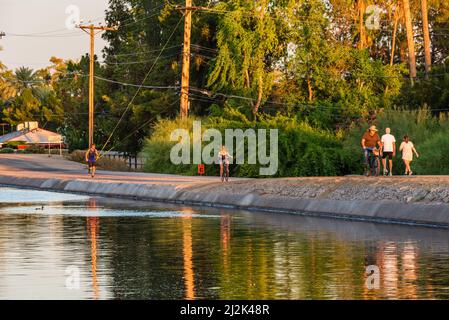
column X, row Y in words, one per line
column 362, row 33
column 395, row 30
column 259, row 96
column 410, row 40
column 425, row 29
column 260, row 77
column 247, row 82
column 309, row 87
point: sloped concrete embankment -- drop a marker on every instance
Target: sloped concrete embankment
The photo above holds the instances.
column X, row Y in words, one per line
column 378, row 211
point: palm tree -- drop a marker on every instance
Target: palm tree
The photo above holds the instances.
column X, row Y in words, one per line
column 410, row 40
column 425, row 29
column 397, row 16
column 6, row 89
column 25, row 78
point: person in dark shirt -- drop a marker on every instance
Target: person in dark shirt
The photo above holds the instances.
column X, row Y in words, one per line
column 370, row 141
column 91, row 158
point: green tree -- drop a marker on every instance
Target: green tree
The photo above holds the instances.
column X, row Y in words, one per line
column 248, row 47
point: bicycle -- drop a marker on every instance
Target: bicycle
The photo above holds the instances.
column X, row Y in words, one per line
column 225, row 175
column 372, row 165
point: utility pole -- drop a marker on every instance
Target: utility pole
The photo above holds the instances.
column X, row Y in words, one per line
column 185, row 77
column 92, row 30
column 184, row 111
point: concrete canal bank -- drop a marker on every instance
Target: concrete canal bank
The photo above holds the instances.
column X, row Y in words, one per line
column 421, row 200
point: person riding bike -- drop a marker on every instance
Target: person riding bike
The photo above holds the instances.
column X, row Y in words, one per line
column 369, row 142
column 223, row 160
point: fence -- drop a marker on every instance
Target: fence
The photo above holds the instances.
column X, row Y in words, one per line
column 133, row 161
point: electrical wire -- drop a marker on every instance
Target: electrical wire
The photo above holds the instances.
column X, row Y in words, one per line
column 143, row 52
column 138, row 62
column 138, row 89
column 136, row 85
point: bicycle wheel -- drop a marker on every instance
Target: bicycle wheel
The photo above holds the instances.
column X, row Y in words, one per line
column 377, row 167
column 373, row 168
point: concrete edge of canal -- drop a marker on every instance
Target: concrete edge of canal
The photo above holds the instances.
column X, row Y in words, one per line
column 436, row 215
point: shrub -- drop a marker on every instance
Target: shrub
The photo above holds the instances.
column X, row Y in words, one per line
column 6, row 150
column 303, row 150
column 105, row 163
column 13, row 144
column 434, row 155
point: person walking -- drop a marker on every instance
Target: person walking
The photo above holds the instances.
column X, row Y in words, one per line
column 407, row 149
column 388, row 151
column 92, row 156
column 223, row 160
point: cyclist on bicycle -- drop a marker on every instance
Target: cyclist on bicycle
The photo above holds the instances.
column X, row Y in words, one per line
column 369, row 142
column 223, row 159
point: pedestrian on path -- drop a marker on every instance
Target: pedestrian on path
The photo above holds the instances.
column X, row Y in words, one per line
column 92, row 156
column 389, row 151
column 408, row 149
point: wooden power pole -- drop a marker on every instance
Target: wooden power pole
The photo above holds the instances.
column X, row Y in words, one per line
column 185, row 78
column 92, row 30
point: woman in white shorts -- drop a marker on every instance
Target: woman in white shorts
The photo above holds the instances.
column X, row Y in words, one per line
column 407, row 149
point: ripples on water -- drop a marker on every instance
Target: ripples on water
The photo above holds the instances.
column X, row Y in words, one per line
column 137, row 250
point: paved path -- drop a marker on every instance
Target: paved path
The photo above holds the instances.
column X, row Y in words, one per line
column 42, row 166
column 420, row 200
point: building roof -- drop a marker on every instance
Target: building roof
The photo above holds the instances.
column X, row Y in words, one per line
column 35, row 136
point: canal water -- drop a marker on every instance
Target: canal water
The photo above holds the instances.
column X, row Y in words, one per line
column 62, row 246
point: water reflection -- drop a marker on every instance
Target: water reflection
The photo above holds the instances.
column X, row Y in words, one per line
column 409, row 268
column 93, row 223
column 190, row 254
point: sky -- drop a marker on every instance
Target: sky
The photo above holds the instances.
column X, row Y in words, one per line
column 36, row 30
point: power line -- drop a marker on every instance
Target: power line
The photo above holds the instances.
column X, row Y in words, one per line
column 138, row 62
column 139, row 20
column 143, row 81
column 50, row 33
column 136, row 85
column 61, row 35
column 143, row 52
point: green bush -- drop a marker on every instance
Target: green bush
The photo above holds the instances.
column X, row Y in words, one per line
column 434, row 155
column 6, row 150
column 35, row 149
column 105, row 163
column 14, row 144
column 308, row 151
column 303, row 150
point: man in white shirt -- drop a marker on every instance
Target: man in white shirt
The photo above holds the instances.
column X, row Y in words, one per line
column 389, row 151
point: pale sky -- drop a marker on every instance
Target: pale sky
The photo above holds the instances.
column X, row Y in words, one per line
column 36, row 30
